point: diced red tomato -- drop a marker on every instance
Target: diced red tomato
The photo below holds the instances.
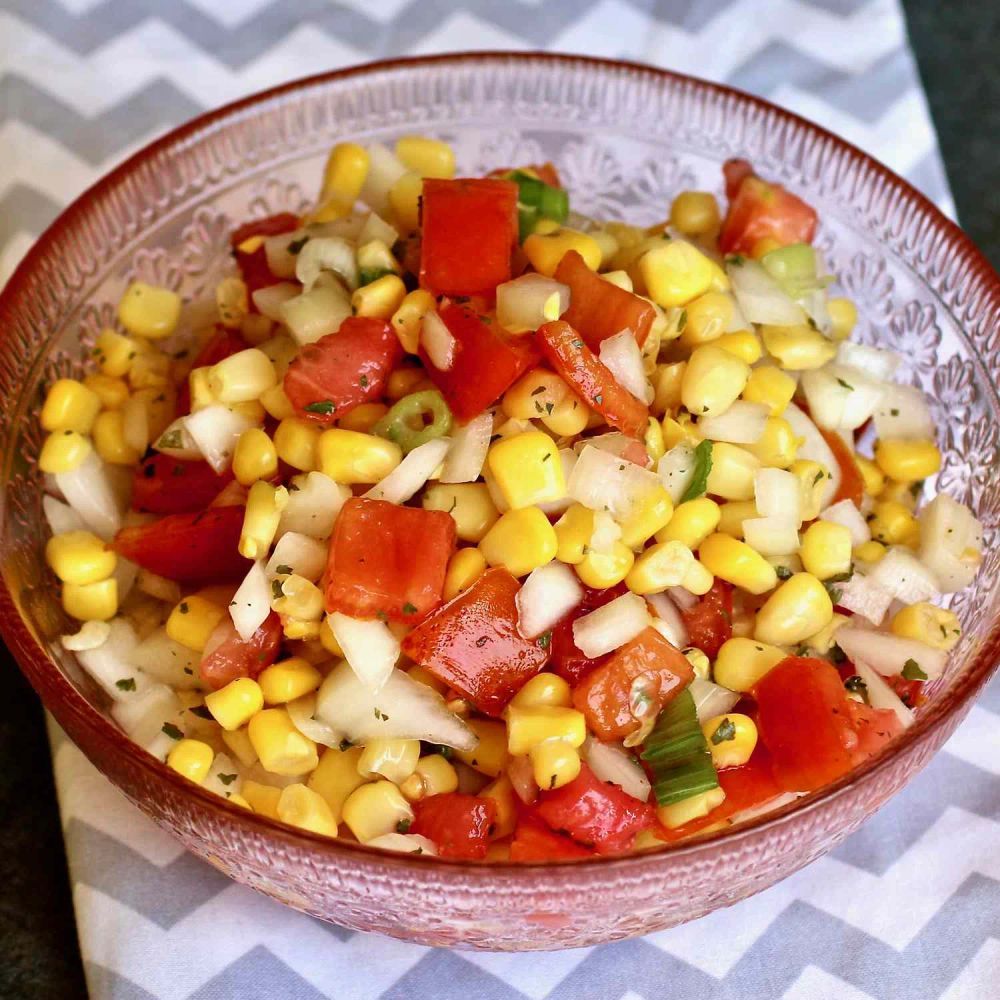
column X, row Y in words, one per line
column 812, row 730
column 852, row 485
column 487, row 361
column 342, row 370
column 595, row 813
column 534, row 841
column 566, row 658
column 253, row 266
column 189, row 548
column 598, row 309
column 649, row 662
column 911, row 693
column 388, row 560
column 233, row 657
column 458, row 824
column 223, row 343
column 546, row 172
column 566, row 351
column 760, row 210
column 469, row 231
column 165, row 485
column 710, row 621
column 473, row 645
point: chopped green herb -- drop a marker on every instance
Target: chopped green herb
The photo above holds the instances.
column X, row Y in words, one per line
column 380, row 715
column 171, row 439
column 845, row 385
column 381, row 616
column 228, row 779
column 702, row 467
column 783, row 572
column 912, row 671
column 857, row 686
column 682, row 320
column 283, row 569
column 544, row 640
column 409, row 609
column 345, row 745
column 837, row 655
column 366, row 275
column 183, row 607
column 320, row 406
column 126, row 684
column 276, row 592
column 403, row 826
column 295, row 246
column 202, row 712
column 549, row 407
column 363, row 381
column 535, row 392
column 724, row 732
column 172, row 731
column 894, row 412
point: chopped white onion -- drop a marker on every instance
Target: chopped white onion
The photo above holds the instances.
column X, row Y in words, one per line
column 610, row 762
column 369, row 646
column 176, row 441
column 711, row 699
column 878, row 364
column 224, row 777
column 547, row 595
column 813, row 448
column 606, row 532
column 903, row 413
column 375, row 227
column 90, row 491
column 251, row 603
column 280, row 259
column 671, row 625
column 110, row 663
column 845, row 513
column 467, row 454
column 620, row 354
column 864, row 597
column 880, row 695
column 951, row 542
column 92, row 635
column 143, row 716
column 411, row 474
column 125, row 575
column 839, row 397
column 522, row 777
column 271, row 298
column 302, row 712
column 167, row 661
column 610, row 626
column 300, row 554
column 438, row 341
column 684, row 599
column 889, row 654
column 404, row 843
column 215, row 430
column 905, row 576
column 777, row 494
column 555, row 507
column 772, row 536
column 384, row 169
column 326, row 253
column 316, row 313
column 313, row 505
column 760, row 297
column 742, row 423
column 529, row 301
column 60, row 516
column 158, row 586
column 676, row 470
column 602, row 481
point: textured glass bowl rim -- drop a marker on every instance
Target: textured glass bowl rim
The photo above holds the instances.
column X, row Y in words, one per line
column 55, row 688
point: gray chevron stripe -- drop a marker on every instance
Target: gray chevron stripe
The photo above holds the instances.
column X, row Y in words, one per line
column 106, row 983
column 24, row 209
column 258, row 975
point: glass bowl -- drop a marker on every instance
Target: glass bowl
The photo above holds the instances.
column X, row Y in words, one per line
column 625, row 138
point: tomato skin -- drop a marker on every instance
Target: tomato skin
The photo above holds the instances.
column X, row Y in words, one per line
column 874, row 727
column 389, row 560
column 473, row 645
column 469, row 231
column 344, row 369
column 595, row 813
column 487, row 361
column 760, row 210
column 233, row 658
column 710, row 621
column 598, row 309
column 458, row 824
column 604, row 695
column 566, row 659
column 189, row 548
column 253, row 266
column 165, row 485
column 534, row 841
column 566, row 351
column 852, row 485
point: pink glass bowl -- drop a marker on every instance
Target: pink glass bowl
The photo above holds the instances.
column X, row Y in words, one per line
column 625, row 138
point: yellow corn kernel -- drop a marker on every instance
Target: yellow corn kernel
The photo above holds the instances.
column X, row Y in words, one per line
column 394, row 759
column 296, row 443
column 797, row 348
column 870, row 552
column 379, row 298
column 892, row 523
column 376, row 809
column 263, row 799
column 242, row 377
column 363, row 418
column 232, row 302
column 199, row 389
column 350, row 457
column 469, row 504
column 327, row 640
column 150, row 368
column 409, row 315
column 300, row 598
column 675, row 272
column 822, row 642
column 254, row 457
column 63, row 451
column 713, row 380
column 302, row 807
column 114, row 352
column 770, row 386
column 607, row 242
column 91, row 601
column 568, row 417
column 287, row 680
column 237, row 800
column 554, row 763
column 799, row 608
column 293, row 628
column 544, row 689
column 928, row 624
column 527, row 727
column 811, row 476
column 404, row 200
column 234, row 705
column 907, row 461
column 282, row 749
column 433, row 775
column 192, row 621
column 109, row 439
column 706, row 318
column 606, row 569
column 502, row 793
column 464, row 568
column 692, row 808
column 148, row 311
column 276, row 404
column 70, row 406
column 843, row 317
column 745, row 344
column 112, row 392
column 490, row 755
column 741, row 662
column 546, row 227
column 679, row 430
column 732, row 473
column 735, row 562
column 192, row 759
column 618, row 278
column 692, row 523
column 731, row 739
column 733, row 514
column 345, row 173
column 900, row 492
column 239, row 745
column 662, row 565
column 336, row 777
column 260, row 519
column 653, row 440
column 427, row 157
column 695, row 213
column 530, row 395
column 777, row 446
column 826, row 550
column 667, row 380
column 872, row 475
column 546, row 251
column 573, row 533
column 698, row 579
column 648, row 515
column 79, row 557
column 520, row 541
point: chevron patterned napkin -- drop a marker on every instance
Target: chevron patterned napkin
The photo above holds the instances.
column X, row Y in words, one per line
column 909, row 907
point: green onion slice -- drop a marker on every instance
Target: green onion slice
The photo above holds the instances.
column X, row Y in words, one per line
column 415, row 420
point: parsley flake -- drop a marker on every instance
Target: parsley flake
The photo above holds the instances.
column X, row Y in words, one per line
column 403, row 826
column 283, row 569
column 363, row 381
column 228, row 779
column 725, row 731
column 409, row 609
column 845, row 385
column 544, row 640
column 912, row 671
column 296, row 245
column 380, row 715
column 172, row 731
column 324, row 406
column 698, row 485
column 126, row 684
